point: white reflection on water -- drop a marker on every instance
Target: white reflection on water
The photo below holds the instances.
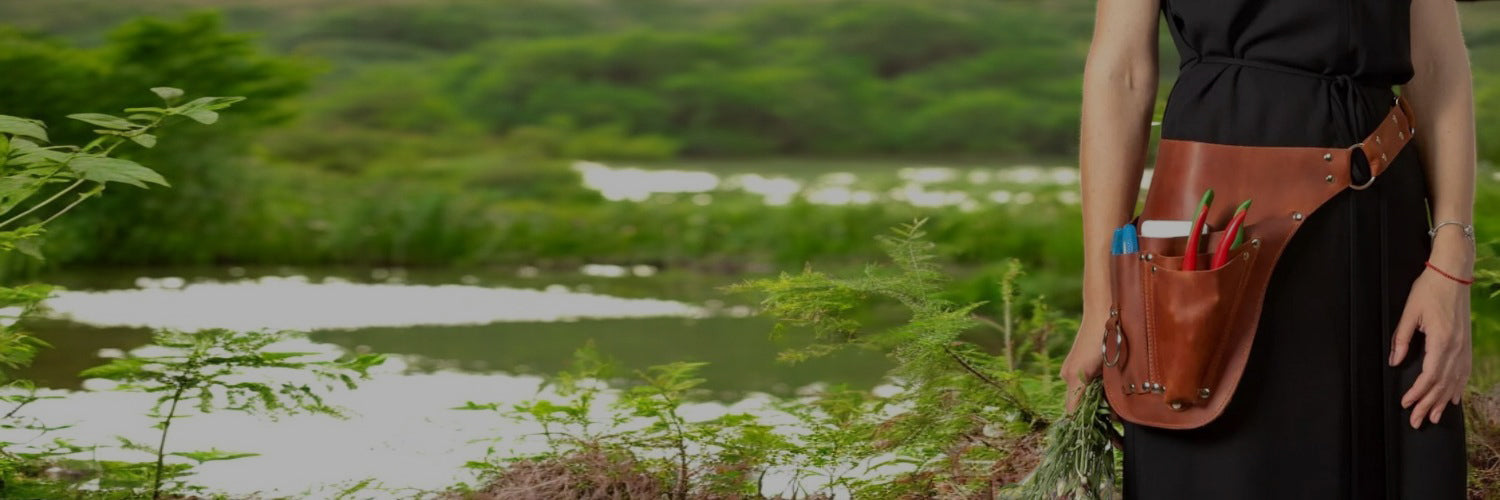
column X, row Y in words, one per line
column 928, row 175
column 616, row 271
column 294, row 303
column 918, row 186
column 773, row 190
column 402, row 431
column 626, row 183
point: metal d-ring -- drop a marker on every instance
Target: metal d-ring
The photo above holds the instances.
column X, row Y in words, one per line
column 1361, row 148
column 1119, row 343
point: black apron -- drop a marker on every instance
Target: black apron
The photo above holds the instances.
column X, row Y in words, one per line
column 1317, row 413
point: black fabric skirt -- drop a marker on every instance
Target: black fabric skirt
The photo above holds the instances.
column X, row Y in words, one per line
column 1317, row 413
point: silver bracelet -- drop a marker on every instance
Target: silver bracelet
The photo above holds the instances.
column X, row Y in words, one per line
column 1467, row 228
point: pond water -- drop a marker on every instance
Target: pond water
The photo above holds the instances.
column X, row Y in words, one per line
column 453, row 337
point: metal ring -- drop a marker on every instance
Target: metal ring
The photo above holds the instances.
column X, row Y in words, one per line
column 1119, row 345
column 1361, row 148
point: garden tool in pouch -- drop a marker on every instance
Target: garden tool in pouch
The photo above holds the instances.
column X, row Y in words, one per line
column 1178, row 334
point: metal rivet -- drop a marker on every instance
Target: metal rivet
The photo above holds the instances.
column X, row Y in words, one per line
column 1383, row 158
column 1160, row 388
column 1153, row 269
column 1255, row 242
column 1114, row 312
column 1245, row 256
column 1400, row 135
column 1296, row 215
column 1377, row 138
column 1327, row 156
column 1329, row 178
column 1203, row 393
column 1148, row 256
column 1130, row 388
column 1176, row 405
column 1393, row 119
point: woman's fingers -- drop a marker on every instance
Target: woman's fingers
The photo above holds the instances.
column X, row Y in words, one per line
column 1410, row 317
column 1423, row 406
column 1431, row 374
column 1440, row 398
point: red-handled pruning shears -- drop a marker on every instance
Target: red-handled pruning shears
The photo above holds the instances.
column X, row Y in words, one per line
column 1190, row 257
column 1232, row 235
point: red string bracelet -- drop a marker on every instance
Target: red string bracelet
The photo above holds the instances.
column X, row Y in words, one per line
column 1449, row 276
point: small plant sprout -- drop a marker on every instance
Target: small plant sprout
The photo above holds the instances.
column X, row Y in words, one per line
column 213, row 370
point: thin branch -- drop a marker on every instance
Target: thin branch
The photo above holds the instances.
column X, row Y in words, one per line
column 43, row 203
column 1036, row 420
column 70, row 206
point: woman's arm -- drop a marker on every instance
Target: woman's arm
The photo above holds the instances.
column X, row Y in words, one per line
column 1119, row 93
column 1442, row 97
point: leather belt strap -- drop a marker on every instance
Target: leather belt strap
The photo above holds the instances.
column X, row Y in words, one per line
column 1344, row 88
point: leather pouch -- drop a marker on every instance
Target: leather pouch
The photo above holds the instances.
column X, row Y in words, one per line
column 1176, row 341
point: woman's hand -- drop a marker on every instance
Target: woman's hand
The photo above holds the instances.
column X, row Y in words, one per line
column 1440, row 308
column 1085, row 357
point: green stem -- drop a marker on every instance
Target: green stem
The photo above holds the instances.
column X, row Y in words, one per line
column 1010, row 346
column 681, row 438
column 161, row 446
column 44, row 203
column 64, row 210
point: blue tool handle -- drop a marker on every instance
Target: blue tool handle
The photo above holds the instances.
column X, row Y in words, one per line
column 1129, row 242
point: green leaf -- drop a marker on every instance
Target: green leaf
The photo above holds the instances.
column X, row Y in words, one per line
column 103, row 120
column 119, row 369
column 103, row 170
column 167, row 93
column 30, row 153
column 23, row 127
column 470, row 405
column 203, row 116
column 24, row 295
column 211, row 455
column 30, row 247
column 145, row 140
column 208, row 103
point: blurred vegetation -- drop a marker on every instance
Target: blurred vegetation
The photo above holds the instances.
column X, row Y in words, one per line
column 412, row 132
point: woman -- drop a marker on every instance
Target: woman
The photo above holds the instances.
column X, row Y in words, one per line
column 1354, row 381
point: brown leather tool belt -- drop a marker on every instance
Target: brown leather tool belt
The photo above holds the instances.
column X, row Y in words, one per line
column 1176, row 341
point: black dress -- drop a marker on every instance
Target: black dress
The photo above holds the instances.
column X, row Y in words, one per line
column 1317, row 413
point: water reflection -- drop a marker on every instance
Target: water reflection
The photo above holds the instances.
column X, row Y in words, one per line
column 475, row 344
column 922, row 186
column 403, row 431
column 296, row 303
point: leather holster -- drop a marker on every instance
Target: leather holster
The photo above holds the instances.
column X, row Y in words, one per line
column 1176, row 341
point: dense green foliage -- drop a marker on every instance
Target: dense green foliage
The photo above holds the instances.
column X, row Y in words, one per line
column 439, row 134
